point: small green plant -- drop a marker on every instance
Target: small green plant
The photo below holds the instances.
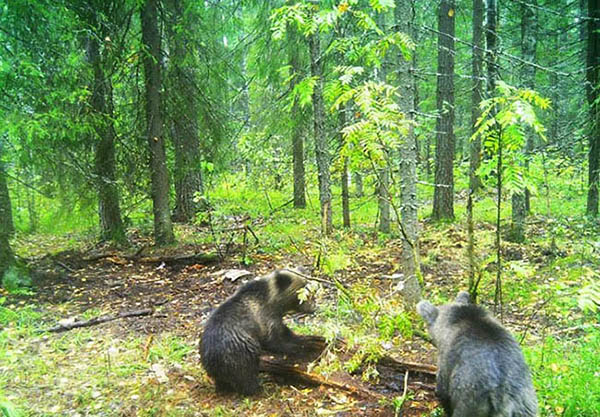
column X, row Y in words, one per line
column 7, row 409
column 16, row 281
column 589, row 297
column 563, row 388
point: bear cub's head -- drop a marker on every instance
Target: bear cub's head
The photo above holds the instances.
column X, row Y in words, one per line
column 285, row 285
column 437, row 318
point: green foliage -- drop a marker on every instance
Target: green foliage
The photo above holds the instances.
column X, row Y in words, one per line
column 16, row 280
column 564, row 389
column 589, row 297
column 503, row 122
column 381, row 124
column 7, row 409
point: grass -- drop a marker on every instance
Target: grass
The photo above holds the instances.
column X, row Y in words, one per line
column 94, row 372
column 566, row 374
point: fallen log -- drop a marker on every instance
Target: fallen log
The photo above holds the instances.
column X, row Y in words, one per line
column 295, row 369
column 98, row 320
column 401, row 366
column 292, row 371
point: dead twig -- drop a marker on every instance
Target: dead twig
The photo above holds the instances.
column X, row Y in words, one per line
column 98, row 320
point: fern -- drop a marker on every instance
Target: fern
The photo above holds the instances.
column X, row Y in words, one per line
column 589, row 297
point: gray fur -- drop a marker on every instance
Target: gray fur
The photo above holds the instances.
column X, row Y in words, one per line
column 248, row 323
column 481, row 369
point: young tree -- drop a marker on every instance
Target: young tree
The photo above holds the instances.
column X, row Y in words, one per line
column 593, row 96
column 343, row 114
column 520, row 200
column 296, row 119
column 183, row 109
column 321, row 150
column 97, row 16
column 404, row 20
column 383, row 174
column 443, row 196
column 6, row 221
column 477, row 92
column 163, row 228
column 475, row 143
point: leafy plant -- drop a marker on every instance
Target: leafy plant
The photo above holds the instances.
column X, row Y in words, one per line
column 589, row 297
column 16, row 281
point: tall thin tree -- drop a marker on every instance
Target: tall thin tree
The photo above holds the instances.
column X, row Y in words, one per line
column 593, row 96
column 443, row 196
column 183, row 109
column 297, row 119
column 100, row 16
column 6, row 221
column 520, row 200
column 151, row 40
column 404, row 21
column 321, row 151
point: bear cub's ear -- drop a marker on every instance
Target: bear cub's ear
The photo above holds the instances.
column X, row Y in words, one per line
column 428, row 311
column 463, row 297
column 283, row 281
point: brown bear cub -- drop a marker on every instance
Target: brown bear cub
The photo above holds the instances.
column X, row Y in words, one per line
column 481, row 369
column 249, row 323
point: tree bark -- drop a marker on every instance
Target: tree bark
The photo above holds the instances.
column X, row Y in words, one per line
column 443, row 196
column 477, row 94
column 358, row 184
column 297, row 122
column 520, row 200
column 109, row 211
column 322, row 153
column 163, row 228
column 383, row 174
column 475, row 146
column 404, row 20
column 490, row 39
column 7, row 257
column 184, row 110
column 345, row 172
column 383, row 200
column 593, row 77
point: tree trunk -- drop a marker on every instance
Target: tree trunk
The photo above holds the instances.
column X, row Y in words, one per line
column 184, row 109
column 297, row 121
column 322, row 153
column 593, row 77
column 520, row 200
column 358, row 184
column 383, row 177
column 6, row 221
column 345, row 175
column 109, row 211
column 404, row 20
column 477, row 94
column 475, row 146
column 490, row 39
column 443, row 196
column 163, row 228
column 383, row 174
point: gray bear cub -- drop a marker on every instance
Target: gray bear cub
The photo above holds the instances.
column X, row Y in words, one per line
column 481, row 369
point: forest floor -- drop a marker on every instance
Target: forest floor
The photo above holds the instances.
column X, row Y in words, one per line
column 149, row 365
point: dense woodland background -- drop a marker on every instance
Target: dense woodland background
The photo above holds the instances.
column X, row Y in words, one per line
column 402, row 148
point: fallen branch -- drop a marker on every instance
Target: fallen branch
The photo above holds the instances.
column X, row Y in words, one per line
column 188, row 259
column 98, row 320
column 402, row 366
column 293, row 371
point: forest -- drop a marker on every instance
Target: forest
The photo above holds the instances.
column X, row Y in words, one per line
column 347, row 164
